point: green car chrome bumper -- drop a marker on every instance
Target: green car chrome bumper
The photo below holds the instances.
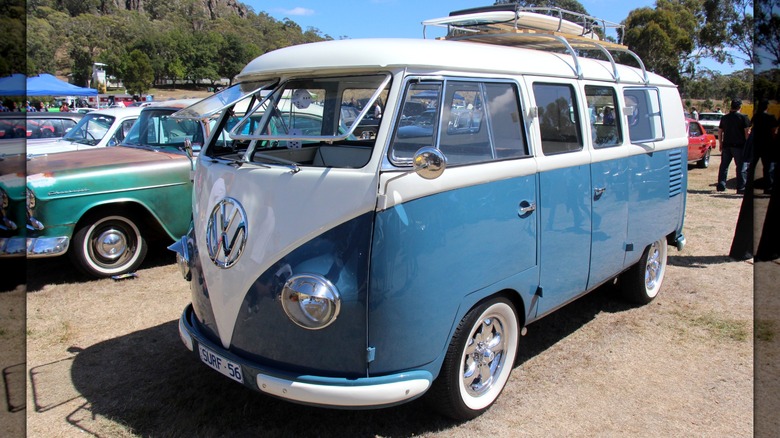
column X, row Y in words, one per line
column 47, row 246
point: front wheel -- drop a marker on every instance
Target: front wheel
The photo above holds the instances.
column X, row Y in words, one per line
column 478, row 361
column 108, row 245
column 642, row 282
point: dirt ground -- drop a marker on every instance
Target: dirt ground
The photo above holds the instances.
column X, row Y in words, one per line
column 104, row 357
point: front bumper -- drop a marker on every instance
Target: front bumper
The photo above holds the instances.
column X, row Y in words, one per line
column 38, row 247
column 367, row 392
column 13, row 247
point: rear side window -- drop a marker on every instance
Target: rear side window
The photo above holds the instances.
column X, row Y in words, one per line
column 604, row 115
column 469, row 121
column 643, row 110
column 558, row 118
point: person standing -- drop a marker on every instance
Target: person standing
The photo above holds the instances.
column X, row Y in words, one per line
column 764, row 128
column 732, row 134
column 694, row 113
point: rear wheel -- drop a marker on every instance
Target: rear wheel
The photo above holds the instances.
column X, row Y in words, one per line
column 478, row 361
column 108, row 245
column 705, row 160
column 642, row 282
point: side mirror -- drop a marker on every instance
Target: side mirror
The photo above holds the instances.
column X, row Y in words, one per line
column 188, row 152
column 429, row 162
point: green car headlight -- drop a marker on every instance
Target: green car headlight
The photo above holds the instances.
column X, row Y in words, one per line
column 310, row 301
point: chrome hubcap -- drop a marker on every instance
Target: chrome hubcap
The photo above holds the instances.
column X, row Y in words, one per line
column 484, row 356
column 653, row 268
column 111, row 244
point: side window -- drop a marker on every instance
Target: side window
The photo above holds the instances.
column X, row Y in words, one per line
column 604, row 116
column 693, row 130
column 643, row 110
column 478, row 122
column 417, row 123
column 465, row 138
column 558, row 118
column 124, row 129
column 506, row 121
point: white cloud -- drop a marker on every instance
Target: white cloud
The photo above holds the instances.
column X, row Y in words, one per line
column 298, row 11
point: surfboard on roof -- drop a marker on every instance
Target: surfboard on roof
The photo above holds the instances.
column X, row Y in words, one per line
column 506, row 20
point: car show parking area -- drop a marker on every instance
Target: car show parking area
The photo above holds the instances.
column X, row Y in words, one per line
column 104, row 357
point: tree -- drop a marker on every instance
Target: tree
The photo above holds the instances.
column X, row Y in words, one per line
column 723, row 26
column 41, row 45
column 233, row 55
column 663, row 38
column 569, row 5
column 137, row 74
column 768, row 33
column 81, row 66
column 12, row 45
column 200, row 55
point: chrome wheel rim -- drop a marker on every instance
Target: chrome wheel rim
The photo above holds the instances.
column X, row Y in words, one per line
column 111, row 244
column 485, row 356
column 654, row 269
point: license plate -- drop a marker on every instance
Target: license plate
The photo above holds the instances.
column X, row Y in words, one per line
column 219, row 363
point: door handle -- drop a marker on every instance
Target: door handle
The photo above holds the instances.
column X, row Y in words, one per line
column 598, row 191
column 525, row 208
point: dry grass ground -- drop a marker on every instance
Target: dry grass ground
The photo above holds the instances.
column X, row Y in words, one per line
column 104, row 358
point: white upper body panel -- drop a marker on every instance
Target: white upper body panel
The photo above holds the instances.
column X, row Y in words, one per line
column 390, row 54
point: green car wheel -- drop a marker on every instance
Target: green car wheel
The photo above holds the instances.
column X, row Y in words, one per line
column 104, row 246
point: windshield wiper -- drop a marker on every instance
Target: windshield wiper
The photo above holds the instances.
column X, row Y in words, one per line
column 292, row 165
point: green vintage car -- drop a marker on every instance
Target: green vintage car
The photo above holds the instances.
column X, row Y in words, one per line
column 102, row 206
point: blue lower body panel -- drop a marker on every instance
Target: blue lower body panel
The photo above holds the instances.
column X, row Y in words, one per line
column 360, row 393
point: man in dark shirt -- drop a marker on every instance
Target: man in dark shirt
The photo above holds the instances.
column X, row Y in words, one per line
column 732, row 135
column 764, row 128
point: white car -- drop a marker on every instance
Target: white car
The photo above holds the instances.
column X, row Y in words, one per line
column 710, row 121
column 97, row 129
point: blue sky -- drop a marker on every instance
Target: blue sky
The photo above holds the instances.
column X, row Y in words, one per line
column 402, row 18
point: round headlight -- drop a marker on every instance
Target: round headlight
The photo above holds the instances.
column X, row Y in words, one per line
column 310, row 301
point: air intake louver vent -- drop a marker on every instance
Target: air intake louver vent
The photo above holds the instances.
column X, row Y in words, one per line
column 675, row 172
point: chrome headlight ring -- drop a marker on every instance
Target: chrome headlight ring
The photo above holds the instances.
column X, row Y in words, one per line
column 311, row 301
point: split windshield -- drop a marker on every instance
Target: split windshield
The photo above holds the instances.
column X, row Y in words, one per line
column 299, row 117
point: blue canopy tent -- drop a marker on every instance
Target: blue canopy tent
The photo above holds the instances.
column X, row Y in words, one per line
column 13, row 85
column 48, row 85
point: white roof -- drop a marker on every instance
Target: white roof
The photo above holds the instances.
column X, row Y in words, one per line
column 389, row 54
column 117, row 112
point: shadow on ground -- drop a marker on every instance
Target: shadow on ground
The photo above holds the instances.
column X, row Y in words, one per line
column 59, row 270
column 150, row 382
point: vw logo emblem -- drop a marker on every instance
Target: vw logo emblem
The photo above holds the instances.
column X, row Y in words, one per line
column 226, row 233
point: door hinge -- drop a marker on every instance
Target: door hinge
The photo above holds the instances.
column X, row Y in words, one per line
column 540, row 291
column 370, row 354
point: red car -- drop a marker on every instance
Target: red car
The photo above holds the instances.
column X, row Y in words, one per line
column 700, row 144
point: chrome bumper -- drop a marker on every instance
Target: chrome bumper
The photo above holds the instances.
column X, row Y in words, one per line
column 316, row 390
column 13, row 247
column 38, row 247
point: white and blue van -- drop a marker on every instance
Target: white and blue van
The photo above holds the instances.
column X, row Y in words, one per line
column 361, row 262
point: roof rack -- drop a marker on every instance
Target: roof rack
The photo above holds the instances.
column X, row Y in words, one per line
column 548, row 28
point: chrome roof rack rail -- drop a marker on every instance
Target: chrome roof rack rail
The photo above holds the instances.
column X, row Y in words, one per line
column 574, row 31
